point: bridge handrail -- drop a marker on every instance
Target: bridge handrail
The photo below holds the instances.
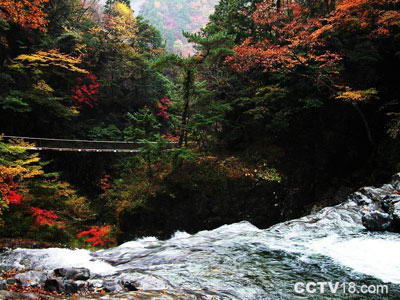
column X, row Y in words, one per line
column 78, row 141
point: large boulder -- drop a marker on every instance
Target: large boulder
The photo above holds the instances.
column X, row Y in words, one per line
column 73, row 273
column 377, row 221
column 380, row 206
column 54, row 285
column 112, row 286
column 31, row 278
column 70, row 287
column 373, row 194
column 389, row 201
column 396, row 181
column 129, row 285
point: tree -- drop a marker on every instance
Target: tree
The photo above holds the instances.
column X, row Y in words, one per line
column 86, row 90
column 33, row 198
column 120, row 24
column 16, row 166
column 26, row 14
column 109, row 3
column 188, row 68
column 38, row 86
column 290, row 45
column 233, row 17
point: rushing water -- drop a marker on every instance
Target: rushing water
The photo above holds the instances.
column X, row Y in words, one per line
column 240, row 261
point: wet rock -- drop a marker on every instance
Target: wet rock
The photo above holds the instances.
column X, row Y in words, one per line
column 95, row 283
column 387, row 187
column 31, row 278
column 376, row 220
column 70, row 287
column 129, row 285
column 396, row 211
column 389, row 201
column 11, row 281
column 396, row 181
column 360, row 199
column 111, row 286
column 22, row 296
column 54, row 285
column 73, row 273
column 81, row 284
column 374, row 194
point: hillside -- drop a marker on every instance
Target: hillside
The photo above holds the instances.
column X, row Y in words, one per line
column 172, row 17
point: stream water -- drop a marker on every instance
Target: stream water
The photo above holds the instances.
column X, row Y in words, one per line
column 240, row 261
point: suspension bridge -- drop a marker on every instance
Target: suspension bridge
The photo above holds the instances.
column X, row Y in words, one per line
column 70, row 145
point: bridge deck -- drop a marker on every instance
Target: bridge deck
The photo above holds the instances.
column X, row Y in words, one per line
column 69, row 145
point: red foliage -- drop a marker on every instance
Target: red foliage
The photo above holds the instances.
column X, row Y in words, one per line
column 44, row 216
column 98, row 235
column 105, row 182
column 162, row 107
column 7, row 185
column 86, row 90
column 13, row 198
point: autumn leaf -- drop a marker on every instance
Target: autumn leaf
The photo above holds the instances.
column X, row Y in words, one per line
column 26, row 13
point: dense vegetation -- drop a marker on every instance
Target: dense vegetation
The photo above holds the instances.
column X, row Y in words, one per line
column 284, row 104
column 172, row 17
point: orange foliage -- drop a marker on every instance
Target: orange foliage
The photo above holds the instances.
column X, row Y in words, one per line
column 171, row 138
column 296, row 36
column 290, row 42
column 26, row 13
column 378, row 17
column 98, row 235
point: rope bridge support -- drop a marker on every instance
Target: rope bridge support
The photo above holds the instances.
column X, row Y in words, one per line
column 69, row 145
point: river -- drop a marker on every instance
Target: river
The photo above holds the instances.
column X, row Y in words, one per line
column 240, row 261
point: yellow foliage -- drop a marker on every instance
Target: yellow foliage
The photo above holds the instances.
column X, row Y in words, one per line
column 52, row 58
column 78, row 207
column 120, row 23
column 122, row 9
column 41, row 85
column 357, row 95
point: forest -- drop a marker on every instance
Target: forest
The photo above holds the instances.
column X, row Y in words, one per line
column 284, row 106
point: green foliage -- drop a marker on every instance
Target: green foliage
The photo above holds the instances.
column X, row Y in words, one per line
column 103, row 132
column 143, row 124
column 13, row 102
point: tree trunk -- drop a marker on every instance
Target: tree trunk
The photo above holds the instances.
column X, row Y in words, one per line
column 365, row 122
column 187, row 86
